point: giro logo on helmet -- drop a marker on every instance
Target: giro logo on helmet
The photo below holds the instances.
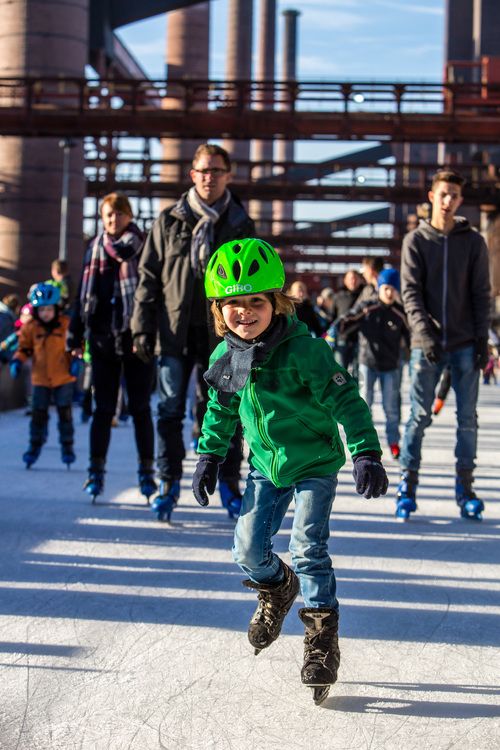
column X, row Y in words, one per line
column 238, row 288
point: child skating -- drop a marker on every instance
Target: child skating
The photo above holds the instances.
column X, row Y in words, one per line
column 43, row 339
column 289, row 393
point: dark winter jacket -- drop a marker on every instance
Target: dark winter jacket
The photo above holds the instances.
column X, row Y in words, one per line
column 290, row 407
column 344, row 300
column 307, row 314
column 381, row 328
column 445, row 285
column 168, row 290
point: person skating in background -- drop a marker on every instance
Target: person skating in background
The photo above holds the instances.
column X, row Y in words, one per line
column 170, row 300
column 101, row 316
column 324, row 308
column 446, row 297
column 60, row 276
column 8, row 313
column 43, row 340
column 381, row 325
column 290, row 394
column 304, row 308
column 10, row 344
column 344, row 346
column 371, row 266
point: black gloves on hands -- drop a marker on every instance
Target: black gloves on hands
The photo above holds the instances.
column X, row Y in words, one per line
column 144, row 347
column 432, row 349
column 205, row 477
column 482, row 353
column 369, row 475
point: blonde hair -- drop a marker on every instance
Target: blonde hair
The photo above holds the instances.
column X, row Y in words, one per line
column 282, row 305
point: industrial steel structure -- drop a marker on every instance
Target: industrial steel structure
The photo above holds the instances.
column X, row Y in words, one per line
column 48, row 107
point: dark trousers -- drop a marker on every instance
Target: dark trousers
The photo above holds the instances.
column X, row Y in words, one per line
column 107, row 369
column 174, row 375
column 62, row 397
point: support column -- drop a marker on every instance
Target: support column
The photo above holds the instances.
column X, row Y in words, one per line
column 186, row 57
column 285, row 151
column 262, row 211
column 239, row 67
column 38, row 38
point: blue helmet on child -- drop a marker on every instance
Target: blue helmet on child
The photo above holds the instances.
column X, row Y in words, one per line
column 389, row 276
column 44, row 294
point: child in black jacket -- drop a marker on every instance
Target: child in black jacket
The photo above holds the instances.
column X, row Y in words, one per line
column 381, row 324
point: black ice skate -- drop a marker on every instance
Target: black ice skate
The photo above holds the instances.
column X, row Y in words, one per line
column 275, row 600
column 321, row 650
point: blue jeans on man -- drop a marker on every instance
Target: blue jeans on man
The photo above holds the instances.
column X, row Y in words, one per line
column 173, row 381
column 262, row 512
column 390, row 381
column 424, row 378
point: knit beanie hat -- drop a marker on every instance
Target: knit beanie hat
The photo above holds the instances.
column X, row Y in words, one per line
column 389, row 276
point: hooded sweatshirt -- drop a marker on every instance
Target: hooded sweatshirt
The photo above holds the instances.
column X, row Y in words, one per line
column 445, row 285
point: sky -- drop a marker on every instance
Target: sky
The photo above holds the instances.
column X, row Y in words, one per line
column 364, row 40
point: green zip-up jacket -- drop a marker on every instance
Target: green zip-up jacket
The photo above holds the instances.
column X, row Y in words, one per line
column 290, row 408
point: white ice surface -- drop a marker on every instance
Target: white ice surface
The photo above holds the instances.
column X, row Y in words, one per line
column 120, row 633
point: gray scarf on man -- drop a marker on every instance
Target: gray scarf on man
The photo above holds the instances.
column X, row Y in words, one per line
column 203, row 233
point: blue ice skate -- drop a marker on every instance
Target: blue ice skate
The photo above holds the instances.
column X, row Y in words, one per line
column 230, row 497
column 163, row 505
column 67, row 455
column 471, row 507
column 94, row 485
column 147, row 484
column 405, row 499
column 31, row 455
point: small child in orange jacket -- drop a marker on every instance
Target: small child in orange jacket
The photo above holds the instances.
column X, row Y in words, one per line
column 43, row 340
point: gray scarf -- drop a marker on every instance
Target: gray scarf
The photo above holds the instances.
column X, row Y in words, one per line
column 203, row 233
column 230, row 372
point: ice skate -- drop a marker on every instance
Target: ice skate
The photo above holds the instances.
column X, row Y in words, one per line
column 321, row 650
column 146, row 476
column 94, row 485
column 230, row 496
column 67, row 455
column 163, row 505
column 471, row 507
column 395, row 450
column 31, row 455
column 275, row 600
column 405, row 500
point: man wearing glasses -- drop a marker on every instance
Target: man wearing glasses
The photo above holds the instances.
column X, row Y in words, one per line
column 170, row 299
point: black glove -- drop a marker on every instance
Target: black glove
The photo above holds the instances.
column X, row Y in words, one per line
column 432, row 349
column 144, row 348
column 369, row 475
column 482, row 353
column 205, row 477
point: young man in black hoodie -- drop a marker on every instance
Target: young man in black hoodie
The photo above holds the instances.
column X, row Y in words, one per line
column 446, row 296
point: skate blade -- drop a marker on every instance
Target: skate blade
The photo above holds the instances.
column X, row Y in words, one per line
column 320, row 692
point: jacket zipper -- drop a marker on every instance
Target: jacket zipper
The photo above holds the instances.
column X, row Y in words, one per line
column 445, row 291
column 261, row 429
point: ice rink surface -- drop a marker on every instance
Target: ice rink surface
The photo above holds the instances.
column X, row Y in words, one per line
column 121, row 633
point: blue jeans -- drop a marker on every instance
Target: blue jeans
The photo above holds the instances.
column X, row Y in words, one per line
column 41, row 399
column 262, row 512
column 424, row 378
column 390, row 381
column 173, row 381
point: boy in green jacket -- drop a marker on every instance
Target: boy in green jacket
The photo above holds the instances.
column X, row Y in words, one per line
column 289, row 393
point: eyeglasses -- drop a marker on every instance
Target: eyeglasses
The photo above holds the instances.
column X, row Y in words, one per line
column 213, row 171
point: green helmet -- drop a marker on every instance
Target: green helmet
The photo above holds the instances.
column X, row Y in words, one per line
column 248, row 266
